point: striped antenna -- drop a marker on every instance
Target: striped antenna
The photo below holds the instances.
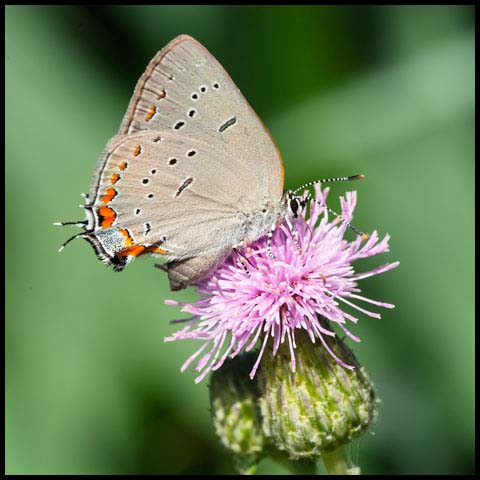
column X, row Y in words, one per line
column 365, row 236
column 360, row 176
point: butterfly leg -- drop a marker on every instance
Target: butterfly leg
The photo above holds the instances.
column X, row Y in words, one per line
column 243, row 261
column 269, row 241
column 294, row 234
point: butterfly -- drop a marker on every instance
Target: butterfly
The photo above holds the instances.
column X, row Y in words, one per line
column 192, row 173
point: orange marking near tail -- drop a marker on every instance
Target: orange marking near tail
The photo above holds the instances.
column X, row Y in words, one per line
column 159, row 250
column 123, row 166
column 114, row 178
column 109, row 195
column 151, row 113
column 137, row 151
column 107, row 216
column 134, row 251
column 126, row 234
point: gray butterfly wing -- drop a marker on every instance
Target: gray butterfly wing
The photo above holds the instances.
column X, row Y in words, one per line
column 183, row 273
column 185, row 89
column 188, row 173
column 165, row 190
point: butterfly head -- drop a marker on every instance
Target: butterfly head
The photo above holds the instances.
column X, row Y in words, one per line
column 294, row 204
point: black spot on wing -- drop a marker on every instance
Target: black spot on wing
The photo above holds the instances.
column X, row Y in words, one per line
column 229, row 123
column 183, row 186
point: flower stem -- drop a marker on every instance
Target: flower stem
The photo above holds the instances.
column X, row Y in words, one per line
column 336, row 463
column 301, row 467
column 304, row 466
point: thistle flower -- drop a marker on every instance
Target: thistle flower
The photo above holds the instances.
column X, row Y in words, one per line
column 323, row 405
column 263, row 297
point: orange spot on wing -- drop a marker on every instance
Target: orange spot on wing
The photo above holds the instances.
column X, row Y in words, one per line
column 159, row 250
column 126, row 234
column 137, row 151
column 161, row 95
column 151, row 113
column 123, row 166
column 114, row 178
column 109, row 195
column 107, row 216
column 134, row 251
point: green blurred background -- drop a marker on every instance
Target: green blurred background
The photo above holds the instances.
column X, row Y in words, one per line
column 387, row 91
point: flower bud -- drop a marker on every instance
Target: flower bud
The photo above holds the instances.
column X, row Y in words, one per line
column 319, row 407
column 235, row 412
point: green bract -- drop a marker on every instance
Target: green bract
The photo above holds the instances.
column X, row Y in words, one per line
column 236, row 413
column 320, row 406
